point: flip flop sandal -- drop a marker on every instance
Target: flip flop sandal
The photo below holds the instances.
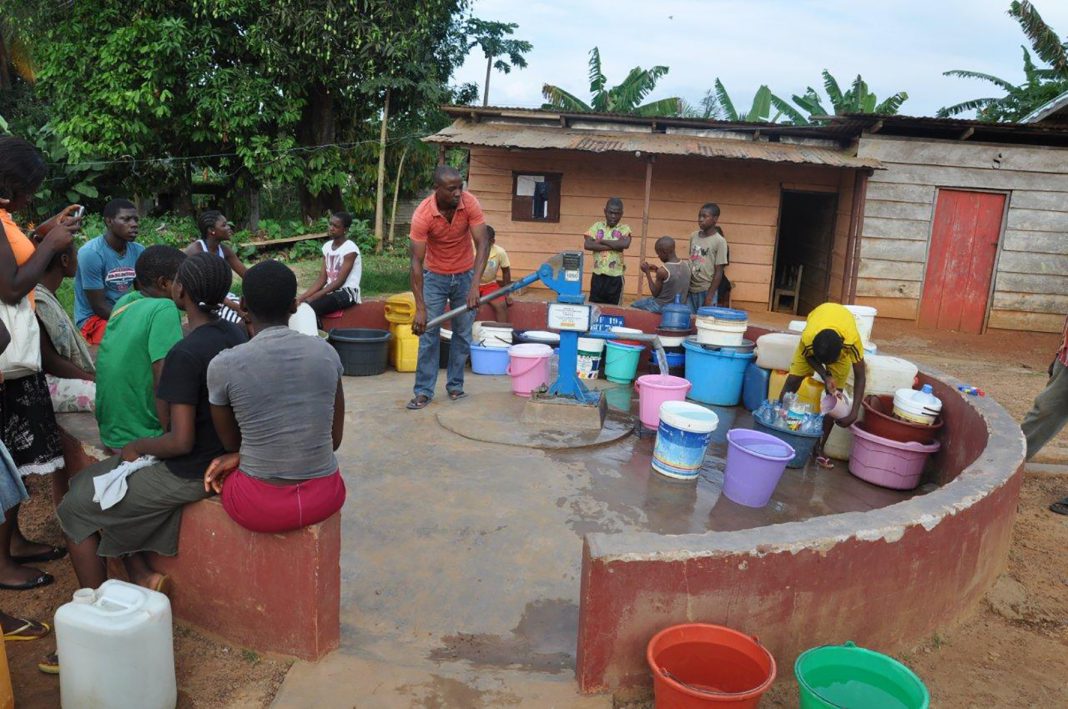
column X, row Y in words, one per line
column 50, row 555
column 1060, row 507
column 162, row 585
column 50, row 664
column 457, row 395
column 419, row 402
column 824, row 462
column 21, row 632
column 42, row 580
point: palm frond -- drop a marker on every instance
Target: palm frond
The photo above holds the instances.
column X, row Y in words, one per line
column 557, row 98
column 830, row 85
column 725, row 102
column 664, row 107
column 965, row 74
column 796, row 117
column 956, row 109
column 597, row 78
column 892, row 105
column 1044, row 40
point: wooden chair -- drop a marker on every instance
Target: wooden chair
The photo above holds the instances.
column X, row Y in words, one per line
column 789, row 287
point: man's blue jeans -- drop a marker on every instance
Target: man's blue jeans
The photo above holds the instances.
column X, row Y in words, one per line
column 648, row 304
column 440, row 290
column 697, row 300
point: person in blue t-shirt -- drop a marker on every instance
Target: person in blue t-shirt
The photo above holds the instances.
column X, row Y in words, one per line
column 106, row 269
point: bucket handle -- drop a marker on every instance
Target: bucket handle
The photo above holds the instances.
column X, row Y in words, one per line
column 513, row 373
column 699, row 690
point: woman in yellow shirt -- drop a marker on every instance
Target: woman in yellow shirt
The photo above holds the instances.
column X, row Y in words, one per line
column 831, row 347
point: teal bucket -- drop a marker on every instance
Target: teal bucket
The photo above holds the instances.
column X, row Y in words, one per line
column 851, row 677
column 621, row 362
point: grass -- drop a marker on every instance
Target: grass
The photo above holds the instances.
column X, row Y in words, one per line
column 382, row 275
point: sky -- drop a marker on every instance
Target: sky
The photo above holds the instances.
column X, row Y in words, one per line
column 901, row 45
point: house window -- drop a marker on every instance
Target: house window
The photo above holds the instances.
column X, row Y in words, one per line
column 535, row 197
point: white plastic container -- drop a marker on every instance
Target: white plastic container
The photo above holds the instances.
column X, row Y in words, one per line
column 917, row 406
column 797, row 326
column 885, row 374
column 590, row 351
column 116, row 649
column 865, row 317
column 724, row 333
column 493, row 334
column 839, row 444
column 303, row 321
column 776, row 350
column 624, row 331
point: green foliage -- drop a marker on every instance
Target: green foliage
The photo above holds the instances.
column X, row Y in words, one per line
column 856, row 99
column 625, row 97
column 1041, row 84
column 717, row 104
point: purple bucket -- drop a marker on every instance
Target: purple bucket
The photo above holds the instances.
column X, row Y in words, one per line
column 755, row 462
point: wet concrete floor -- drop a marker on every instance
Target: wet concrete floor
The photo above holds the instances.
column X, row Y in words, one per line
column 461, row 560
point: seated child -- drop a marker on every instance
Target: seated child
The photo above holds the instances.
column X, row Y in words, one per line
column 215, row 231
column 147, row 517
column 338, row 284
column 106, row 269
column 667, row 281
column 496, row 261
column 65, row 357
column 143, row 327
column 277, row 399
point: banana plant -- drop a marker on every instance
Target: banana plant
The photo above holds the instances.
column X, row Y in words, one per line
column 717, row 104
column 625, row 97
column 808, row 108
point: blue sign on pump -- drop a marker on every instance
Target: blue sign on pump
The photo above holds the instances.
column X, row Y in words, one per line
column 607, row 322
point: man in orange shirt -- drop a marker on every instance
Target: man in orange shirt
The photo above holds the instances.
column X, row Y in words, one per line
column 443, row 274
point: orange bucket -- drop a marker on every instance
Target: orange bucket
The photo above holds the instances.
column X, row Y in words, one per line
column 697, row 665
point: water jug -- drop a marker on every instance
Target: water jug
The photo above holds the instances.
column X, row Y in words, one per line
column 116, row 649
column 675, row 316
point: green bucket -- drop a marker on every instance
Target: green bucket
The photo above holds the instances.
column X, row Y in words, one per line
column 851, row 677
column 621, row 362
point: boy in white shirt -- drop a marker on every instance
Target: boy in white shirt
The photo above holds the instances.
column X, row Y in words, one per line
column 338, row 284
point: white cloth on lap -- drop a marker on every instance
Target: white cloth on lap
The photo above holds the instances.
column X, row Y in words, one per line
column 110, row 488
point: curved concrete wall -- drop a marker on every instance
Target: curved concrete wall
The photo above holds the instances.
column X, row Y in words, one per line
column 884, row 578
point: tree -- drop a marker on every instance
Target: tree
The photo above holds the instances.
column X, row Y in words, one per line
column 492, row 38
column 1040, row 84
column 717, row 104
column 626, row 97
column 856, row 99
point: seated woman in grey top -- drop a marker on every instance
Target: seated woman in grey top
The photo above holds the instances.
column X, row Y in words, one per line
column 278, row 406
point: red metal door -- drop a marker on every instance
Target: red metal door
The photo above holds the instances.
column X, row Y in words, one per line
column 960, row 261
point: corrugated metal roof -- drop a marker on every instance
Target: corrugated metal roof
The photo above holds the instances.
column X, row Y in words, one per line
column 504, row 135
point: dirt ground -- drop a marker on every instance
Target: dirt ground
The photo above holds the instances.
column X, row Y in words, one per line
column 1009, row 652
column 210, row 673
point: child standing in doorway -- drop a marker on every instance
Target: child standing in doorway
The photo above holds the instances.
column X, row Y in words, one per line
column 608, row 240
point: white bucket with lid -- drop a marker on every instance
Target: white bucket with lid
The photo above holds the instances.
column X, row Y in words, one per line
column 917, row 406
column 865, row 317
column 495, row 334
column 590, row 350
column 796, row 326
column 776, row 350
column 117, row 648
column 682, row 438
column 723, row 333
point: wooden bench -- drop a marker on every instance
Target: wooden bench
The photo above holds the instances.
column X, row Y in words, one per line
column 277, row 593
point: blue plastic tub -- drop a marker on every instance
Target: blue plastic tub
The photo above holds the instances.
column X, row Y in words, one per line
column 755, row 388
column 716, row 374
column 489, row 360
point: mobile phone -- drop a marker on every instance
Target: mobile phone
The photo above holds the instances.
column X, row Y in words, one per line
column 78, row 213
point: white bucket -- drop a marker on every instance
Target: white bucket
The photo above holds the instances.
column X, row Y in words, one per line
column 865, row 317
column 543, row 336
column 495, row 335
column 917, row 406
column 724, row 333
column 796, row 326
column 885, row 374
column 590, row 350
column 682, row 439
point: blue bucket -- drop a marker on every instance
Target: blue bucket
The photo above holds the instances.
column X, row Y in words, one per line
column 717, row 375
column 489, row 360
column 682, row 438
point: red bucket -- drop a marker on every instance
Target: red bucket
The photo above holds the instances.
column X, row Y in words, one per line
column 697, row 665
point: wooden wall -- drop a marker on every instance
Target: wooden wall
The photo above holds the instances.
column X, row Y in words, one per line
column 1031, row 276
column 746, row 191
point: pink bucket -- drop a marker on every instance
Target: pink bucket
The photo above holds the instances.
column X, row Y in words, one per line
column 888, row 463
column 653, row 390
column 528, row 366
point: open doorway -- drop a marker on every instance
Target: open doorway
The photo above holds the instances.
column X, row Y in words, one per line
column 803, row 251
